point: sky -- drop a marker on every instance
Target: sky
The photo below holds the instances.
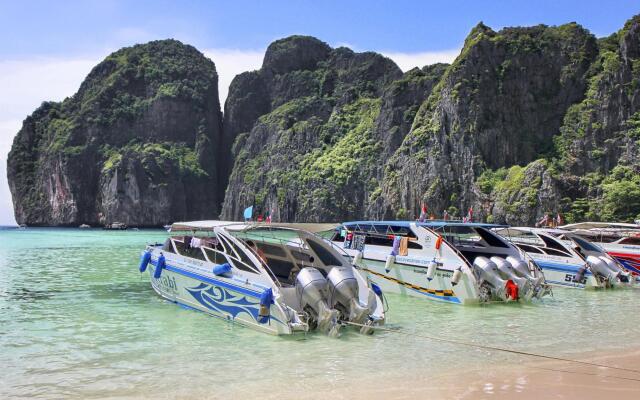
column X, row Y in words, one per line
column 48, row 47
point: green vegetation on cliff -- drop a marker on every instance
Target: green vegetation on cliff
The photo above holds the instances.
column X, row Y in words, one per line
column 146, row 117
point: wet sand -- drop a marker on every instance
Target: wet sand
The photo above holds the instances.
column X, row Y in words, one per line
column 529, row 380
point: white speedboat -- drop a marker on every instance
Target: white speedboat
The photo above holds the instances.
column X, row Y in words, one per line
column 453, row 262
column 621, row 241
column 276, row 279
column 566, row 259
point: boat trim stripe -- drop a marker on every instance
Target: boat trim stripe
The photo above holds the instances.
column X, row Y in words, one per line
column 207, row 279
column 441, row 294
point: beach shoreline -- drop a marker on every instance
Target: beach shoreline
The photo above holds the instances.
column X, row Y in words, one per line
column 532, row 379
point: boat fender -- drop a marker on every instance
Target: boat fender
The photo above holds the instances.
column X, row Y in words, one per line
column 358, row 258
column 431, row 270
column 222, row 269
column 439, row 242
column 144, row 260
column 162, row 264
column 457, row 274
column 391, row 259
column 511, row 288
column 266, row 299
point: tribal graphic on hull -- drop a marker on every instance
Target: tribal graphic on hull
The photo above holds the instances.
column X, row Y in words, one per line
column 223, row 301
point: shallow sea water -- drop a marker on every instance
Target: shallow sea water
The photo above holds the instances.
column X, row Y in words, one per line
column 77, row 320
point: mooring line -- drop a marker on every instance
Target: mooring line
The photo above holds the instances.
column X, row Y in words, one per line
column 481, row 346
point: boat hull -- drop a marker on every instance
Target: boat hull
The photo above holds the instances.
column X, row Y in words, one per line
column 411, row 280
column 219, row 297
column 630, row 261
column 564, row 275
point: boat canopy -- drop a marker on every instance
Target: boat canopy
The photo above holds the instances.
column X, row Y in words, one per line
column 191, row 226
column 600, row 225
column 434, row 224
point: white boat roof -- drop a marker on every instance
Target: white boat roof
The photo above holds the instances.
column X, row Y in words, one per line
column 551, row 231
column 600, row 225
column 235, row 225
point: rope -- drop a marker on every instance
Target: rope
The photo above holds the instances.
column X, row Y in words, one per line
column 480, row 346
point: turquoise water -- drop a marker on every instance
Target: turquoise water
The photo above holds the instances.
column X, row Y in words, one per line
column 77, row 320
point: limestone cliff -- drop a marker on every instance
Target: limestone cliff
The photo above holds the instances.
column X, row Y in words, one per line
column 525, row 121
column 140, row 142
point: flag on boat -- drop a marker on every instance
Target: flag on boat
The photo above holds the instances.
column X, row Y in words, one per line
column 248, row 212
column 423, row 213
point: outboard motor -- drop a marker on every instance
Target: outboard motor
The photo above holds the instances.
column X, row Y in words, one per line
column 311, row 287
column 488, row 272
column 506, row 270
column 599, row 267
column 343, row 294
column 623, row 276
column 521, row 268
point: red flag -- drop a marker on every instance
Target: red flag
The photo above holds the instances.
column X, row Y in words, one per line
column 423, row 213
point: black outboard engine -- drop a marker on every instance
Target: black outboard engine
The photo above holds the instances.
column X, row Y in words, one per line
column 311, row 288
column 344, row 292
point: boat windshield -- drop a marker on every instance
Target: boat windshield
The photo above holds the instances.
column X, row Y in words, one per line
column 286, row 251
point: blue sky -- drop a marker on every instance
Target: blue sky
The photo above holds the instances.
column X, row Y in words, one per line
column 48, row 47
column 75, row 27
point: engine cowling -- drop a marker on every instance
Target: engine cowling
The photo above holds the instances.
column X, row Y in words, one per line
column 488, row 272
column 623, row 275
column 599, row 266
column 520, row 267
column 311, row 287
column 506, row 270
column 344, row 294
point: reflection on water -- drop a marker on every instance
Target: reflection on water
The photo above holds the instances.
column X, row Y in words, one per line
column 78, row 320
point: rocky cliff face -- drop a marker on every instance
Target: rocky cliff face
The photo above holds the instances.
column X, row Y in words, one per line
column 312, row 150
column 140, row 143
column 526, row 121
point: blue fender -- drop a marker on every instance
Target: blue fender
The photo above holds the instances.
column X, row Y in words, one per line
column 162, row 264
column 266, row 299
column 222, row 269
column 144, row 260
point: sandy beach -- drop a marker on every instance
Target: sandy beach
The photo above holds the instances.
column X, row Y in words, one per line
column 529, row 380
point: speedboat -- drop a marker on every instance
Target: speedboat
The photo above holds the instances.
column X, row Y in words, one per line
column 621, row 241
column 567, row 259
column 452, row 262
column 276, row 279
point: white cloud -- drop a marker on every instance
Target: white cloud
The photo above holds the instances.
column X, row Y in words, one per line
column 230, row 62
column 407, row 61
column 24, row 85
